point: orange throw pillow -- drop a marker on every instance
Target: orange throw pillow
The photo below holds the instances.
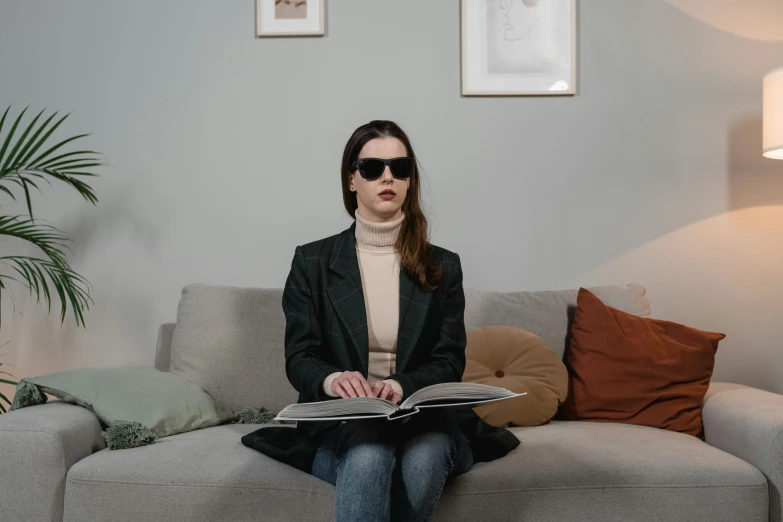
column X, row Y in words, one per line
column 519, row 361
column 633, row 370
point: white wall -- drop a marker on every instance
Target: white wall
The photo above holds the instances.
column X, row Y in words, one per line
column 224, row 152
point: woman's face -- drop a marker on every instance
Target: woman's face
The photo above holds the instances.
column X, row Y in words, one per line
column 372, row 206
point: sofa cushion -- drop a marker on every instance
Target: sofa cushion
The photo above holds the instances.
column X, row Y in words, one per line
column 561, row 471
column 635, row 370
column 548, row 314
column 571, row 471
column 230, row 341
column 519, row 361
column 161, row 401
column 203, row 475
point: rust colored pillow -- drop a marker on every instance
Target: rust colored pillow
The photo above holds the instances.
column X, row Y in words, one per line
column 520, row 361
column 633, row 370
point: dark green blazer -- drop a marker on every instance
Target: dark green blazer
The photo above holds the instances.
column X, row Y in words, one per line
column 326, row 331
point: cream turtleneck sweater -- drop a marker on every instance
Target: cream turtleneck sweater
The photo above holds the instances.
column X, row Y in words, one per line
column 379, row 264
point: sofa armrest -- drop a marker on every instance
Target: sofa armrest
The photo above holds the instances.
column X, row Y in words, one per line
column 38, row 445
column 748, row 423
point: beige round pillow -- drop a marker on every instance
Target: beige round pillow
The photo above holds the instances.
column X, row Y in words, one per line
column 520, row 361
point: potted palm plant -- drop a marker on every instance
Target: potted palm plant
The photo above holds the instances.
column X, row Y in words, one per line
column 29, row 156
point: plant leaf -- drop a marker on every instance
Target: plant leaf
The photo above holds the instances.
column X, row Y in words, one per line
column 10, row 160
column 32, row 282
column 22, row 160
column 27, row 197
column 4, row 189
column 2, row 121
column 46, row 137
column 8, row 138
column 54, row 148
column 32, row 147
column 47, row 295
column 84, row 189
column 68, row 285
column 49, row 161
column 73, row 163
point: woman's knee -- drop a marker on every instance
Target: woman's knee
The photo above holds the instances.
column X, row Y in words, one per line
column 368, row 457
column 430, row 450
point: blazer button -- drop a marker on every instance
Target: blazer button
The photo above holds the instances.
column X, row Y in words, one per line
column 499, row 373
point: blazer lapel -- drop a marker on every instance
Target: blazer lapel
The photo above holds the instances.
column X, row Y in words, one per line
column 414, row 305
column 347, row 295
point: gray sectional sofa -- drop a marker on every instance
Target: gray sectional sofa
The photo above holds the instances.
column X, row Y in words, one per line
column 55, row 465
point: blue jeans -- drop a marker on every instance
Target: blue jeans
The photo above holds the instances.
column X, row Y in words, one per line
column 390, row 470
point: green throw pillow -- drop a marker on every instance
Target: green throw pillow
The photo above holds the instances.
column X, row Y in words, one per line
column 135, row 404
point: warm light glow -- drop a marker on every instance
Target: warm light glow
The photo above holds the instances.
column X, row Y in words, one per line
column 773, row 114
column 760, row 20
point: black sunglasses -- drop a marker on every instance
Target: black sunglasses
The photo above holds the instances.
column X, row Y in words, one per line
column 372, row 168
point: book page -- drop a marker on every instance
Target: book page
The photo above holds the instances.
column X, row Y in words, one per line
column 455, row 393
column 370, row 406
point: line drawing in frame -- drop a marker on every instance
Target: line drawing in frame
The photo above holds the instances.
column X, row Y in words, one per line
column 519, row 47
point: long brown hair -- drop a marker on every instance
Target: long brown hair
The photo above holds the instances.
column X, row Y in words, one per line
column 413, row 240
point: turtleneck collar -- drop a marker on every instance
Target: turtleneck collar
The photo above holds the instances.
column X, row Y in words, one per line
column 378, row 238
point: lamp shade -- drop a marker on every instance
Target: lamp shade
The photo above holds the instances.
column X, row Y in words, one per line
column 773, row 114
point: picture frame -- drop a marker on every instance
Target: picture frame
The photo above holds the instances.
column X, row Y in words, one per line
column 519, row 47
column 290, row 18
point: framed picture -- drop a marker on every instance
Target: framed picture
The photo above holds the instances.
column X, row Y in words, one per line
column 290, row 17
column 518, row 47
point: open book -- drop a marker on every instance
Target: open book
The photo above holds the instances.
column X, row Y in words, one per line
column 448, row 394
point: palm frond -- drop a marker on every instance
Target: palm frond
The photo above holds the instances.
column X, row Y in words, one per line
column 46, row 237
column 27, row 156
column 25, row 159
column 4, row 189
column 11, row 159
column 10, row 134
column 37, row 273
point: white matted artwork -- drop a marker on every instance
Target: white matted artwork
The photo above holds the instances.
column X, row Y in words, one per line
column 518, row 47
column 290, row 17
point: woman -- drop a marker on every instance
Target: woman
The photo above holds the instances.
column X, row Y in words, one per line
column 378, row 311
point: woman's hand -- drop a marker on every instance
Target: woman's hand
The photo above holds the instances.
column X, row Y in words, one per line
column 384, row 390
column 351, row 384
